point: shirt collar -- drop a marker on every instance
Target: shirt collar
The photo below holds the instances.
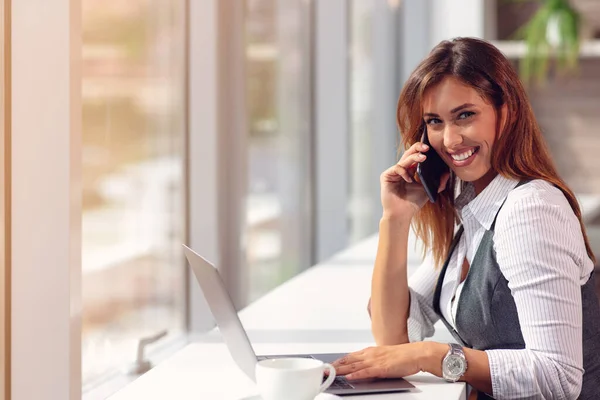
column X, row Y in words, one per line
column 486, row 205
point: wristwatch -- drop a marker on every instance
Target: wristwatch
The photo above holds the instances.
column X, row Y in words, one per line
column 454, row 364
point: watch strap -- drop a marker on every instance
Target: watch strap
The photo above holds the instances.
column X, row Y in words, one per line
column 457, row 349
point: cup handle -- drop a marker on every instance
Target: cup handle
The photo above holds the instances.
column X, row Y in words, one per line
column 330, row 379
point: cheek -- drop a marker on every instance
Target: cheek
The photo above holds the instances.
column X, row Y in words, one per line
column 488, row 131
column 489, row 141
column 436, row 140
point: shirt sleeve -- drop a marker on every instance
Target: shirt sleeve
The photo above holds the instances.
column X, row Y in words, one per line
column 421, row 315
column 539, row 244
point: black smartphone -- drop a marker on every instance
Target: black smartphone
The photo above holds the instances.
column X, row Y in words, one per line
column 431, row 170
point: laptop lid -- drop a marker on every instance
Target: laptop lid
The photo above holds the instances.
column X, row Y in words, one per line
column 223, row 311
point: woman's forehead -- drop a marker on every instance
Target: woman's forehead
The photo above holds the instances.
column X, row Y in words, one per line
column 448, row 94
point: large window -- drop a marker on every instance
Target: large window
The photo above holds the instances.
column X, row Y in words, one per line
column 278, row 96
column 133, row 219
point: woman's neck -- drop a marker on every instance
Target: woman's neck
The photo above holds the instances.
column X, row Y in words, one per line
column 481, row 183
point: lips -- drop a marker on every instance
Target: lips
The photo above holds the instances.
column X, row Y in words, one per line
column 463, row 157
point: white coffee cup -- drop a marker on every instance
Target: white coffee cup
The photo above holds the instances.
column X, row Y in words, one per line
column 292, row 378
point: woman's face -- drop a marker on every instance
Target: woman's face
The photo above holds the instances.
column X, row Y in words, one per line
column 462, row 128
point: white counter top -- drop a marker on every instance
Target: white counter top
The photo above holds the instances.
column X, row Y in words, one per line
column 323, row 310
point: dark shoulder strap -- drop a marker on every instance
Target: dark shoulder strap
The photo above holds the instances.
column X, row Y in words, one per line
column 440, row 280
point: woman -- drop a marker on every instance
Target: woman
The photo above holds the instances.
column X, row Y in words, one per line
column 511, row 266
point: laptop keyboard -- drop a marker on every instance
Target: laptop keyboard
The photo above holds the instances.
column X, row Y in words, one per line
column 339, row 383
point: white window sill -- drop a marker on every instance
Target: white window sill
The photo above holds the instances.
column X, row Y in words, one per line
column 115, row 381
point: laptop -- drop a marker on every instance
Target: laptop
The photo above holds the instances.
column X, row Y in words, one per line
column 241, row 350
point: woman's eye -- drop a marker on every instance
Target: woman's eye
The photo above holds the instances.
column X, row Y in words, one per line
column 466, row 114
column 433, row 121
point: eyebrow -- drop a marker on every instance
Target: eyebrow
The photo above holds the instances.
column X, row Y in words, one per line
column 453, row 111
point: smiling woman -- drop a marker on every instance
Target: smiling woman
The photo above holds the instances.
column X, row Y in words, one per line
column 511, row 273
column 464, row 134
column 471, row 71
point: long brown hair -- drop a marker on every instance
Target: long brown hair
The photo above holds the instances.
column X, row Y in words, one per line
column 519, row 152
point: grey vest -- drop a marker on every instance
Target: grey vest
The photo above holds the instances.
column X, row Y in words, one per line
column 487, row 318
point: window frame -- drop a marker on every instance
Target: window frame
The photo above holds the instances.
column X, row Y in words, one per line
column 332, row 123
column 215, row 77
column 385, row 86
column 5, row 180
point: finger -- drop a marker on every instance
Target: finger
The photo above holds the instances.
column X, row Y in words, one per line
column 404, row 173
column 413, row 159
column 350, row 358
column 351, row 368
column 366, row 373
column 339, row 362
column 346, row 360
column 415, row 148
column 395, row 174
column 412, row 170
column 406, row 168
column 408, row 159
column 444, row 182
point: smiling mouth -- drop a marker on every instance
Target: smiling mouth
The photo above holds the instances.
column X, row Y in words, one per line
column 465, row 155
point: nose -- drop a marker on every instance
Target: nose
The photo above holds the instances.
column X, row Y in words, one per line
column 452, row 136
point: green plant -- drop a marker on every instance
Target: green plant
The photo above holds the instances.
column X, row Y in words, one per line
column 552, row 32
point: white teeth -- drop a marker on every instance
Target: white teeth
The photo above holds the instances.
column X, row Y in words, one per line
column 463, row 156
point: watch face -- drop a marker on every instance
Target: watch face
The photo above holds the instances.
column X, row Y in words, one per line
column 454, row 366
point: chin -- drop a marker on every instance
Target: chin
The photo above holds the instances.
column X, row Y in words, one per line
column 473, row 175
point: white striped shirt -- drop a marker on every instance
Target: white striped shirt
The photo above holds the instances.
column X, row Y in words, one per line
column 541, row 252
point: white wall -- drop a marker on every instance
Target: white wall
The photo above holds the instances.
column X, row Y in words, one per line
column 203, row 186
column 425, row 23
column 452, row 18
column 4, row 265
column 46, row 205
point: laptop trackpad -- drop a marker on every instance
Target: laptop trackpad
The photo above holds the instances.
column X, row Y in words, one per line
column 379, row 385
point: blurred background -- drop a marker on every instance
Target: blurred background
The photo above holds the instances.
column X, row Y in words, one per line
column 315, row 89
